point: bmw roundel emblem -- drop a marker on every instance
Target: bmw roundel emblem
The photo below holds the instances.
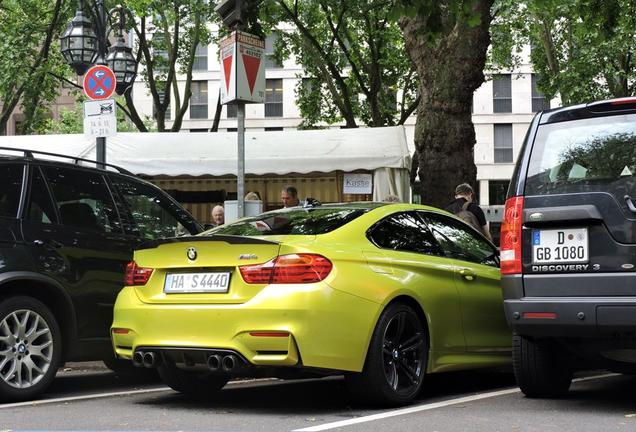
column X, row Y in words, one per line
column 192, row 253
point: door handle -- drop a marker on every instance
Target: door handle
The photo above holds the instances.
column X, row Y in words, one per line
column 468, row 274
column 630, row 204
column 50, row 243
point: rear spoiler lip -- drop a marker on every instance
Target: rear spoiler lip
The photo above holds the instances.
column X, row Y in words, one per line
column 243, row 240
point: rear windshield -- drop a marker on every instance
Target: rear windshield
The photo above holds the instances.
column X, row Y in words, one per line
column 586, row 155
column 300, row 221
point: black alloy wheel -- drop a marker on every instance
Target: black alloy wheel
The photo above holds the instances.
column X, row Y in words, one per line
column 396, row 362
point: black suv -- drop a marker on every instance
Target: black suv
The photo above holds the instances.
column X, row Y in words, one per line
column 67, row 232
column 568, row 246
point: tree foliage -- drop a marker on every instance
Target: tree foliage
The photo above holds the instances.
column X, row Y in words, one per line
column 30, row 54
column 167, row 35
column 353, row 59
column 583, row 50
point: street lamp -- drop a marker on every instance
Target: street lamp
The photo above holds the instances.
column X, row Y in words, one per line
column 85, row 43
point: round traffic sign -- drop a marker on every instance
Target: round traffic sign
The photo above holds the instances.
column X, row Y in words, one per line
column 99, row 82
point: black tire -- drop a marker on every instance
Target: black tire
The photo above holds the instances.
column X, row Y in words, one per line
column 396, row 360
column 30, row 344
column 540, row 367
column 199, row 384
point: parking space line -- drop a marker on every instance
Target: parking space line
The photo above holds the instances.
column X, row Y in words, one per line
column 427, row 407
column 248, row 383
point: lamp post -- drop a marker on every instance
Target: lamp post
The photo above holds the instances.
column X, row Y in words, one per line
column 85, row 43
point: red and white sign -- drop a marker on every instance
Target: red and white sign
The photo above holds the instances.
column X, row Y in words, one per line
column 99, row 82
column 242, row 68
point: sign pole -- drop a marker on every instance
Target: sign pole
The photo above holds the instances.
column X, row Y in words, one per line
column 240, row 118
column 100, row 151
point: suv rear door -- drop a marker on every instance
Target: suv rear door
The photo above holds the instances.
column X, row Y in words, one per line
column 579, row 204
column 73, row 231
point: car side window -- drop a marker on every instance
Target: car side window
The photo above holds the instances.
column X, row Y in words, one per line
column 11, row 181
column 459, row 240
column 83, row 199
column 404, row 232
column 153, row 214
column 40, row 207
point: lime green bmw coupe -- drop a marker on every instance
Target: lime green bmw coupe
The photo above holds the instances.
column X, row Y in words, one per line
column 382, row 293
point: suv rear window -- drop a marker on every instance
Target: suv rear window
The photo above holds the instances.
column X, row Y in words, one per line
column 295, row 222
column 588, row 155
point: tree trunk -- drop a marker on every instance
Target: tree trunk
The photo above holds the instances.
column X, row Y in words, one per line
column 450, row 67
column 217, row 114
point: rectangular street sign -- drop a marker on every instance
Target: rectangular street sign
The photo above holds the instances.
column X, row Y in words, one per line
column 242, row 68
column 100, row 118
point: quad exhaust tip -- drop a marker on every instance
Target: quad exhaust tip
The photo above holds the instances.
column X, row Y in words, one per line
column 150, row 359
column 147, row 359
column 229, row 362
column 138, row 359
column 214, row 362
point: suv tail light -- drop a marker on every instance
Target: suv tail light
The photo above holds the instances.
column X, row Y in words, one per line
column 136, row 275
column 510, row 239
column 288, row 269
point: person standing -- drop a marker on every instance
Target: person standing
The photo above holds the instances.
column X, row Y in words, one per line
column 464, row 208
column 218, row 215
column 289, row 197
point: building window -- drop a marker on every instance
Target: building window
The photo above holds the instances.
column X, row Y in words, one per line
column 199, row 100
column 200, row 58
column 503, row 143
column 270, row 59
column 274, row 98
column 497, row 190
column 502, row 93
column 539, row 102
column 160, row 52
column 231, row 110
column 273, row 129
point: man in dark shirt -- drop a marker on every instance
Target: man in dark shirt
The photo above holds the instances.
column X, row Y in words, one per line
column 463, row 194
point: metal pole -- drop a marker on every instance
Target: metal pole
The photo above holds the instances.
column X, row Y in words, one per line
column 240, row 117
column 100, row 151
column 100, row 142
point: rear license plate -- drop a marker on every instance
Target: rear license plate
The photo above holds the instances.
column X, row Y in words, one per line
column 197, row 283
column 560, row 246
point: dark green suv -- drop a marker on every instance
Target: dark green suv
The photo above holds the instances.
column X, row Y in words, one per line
column 568, row 246
column 67, row 231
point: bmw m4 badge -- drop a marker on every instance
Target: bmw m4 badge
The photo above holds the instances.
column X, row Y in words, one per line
column 191, row 253
column 247, row 257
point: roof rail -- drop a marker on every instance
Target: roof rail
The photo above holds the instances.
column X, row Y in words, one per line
column 29, row 154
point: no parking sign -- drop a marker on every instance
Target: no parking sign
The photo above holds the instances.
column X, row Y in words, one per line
column 99, row 82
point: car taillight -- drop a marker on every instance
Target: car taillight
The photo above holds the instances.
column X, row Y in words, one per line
column 136, row 275
column 510, row 239
column 288, row 269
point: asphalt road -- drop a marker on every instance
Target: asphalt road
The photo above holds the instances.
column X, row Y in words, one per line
column 87, row 397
